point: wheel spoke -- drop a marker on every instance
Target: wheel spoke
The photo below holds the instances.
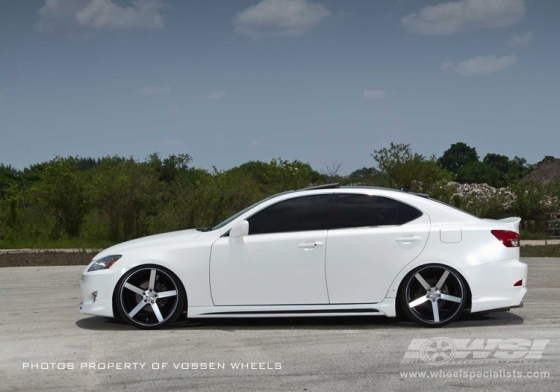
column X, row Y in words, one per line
column 451, row 298
column 152, row 281
column 436, row 311
column 137, row 290
column 157, row 312
column 164, row 294
column 136, row 309
column 422, row 281
column 442, row 279
column 417, row 302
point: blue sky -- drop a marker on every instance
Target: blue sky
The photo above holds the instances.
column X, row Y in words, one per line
column 320, row 81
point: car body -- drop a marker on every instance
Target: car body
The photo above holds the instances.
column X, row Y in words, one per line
column 323, row 251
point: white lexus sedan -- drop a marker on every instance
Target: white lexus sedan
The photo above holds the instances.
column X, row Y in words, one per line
column 322, row 251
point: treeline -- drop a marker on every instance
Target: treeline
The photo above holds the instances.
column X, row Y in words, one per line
column 96, row 202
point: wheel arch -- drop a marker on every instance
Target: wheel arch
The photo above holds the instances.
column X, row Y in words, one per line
column 134, row 266
column 405, row 276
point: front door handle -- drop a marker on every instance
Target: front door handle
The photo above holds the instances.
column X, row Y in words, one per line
column 408, row 240
column 310, row 245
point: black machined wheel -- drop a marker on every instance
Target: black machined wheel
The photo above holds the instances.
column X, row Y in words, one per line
column 150, row 297
column 433, row 295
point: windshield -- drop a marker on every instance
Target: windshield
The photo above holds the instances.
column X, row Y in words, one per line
column 237, row 215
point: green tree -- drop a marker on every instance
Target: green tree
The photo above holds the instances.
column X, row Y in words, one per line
column 66, row 192
column 10, row 208
column 185, row 200
column 280, row 175
column 457, row 156
column 504, row 169
column 402, row 168
column 127, row 193
column 478, row 173
column 498, row 162
column 33, row 173
column 518, row 168
column 365, row 176
column 8, row 176
column 169, row 168
column 545, row 159
column 529, row 203
column 222, row 194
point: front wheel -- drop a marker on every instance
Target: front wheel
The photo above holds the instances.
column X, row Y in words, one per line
column 150, row 297
column 433, row 295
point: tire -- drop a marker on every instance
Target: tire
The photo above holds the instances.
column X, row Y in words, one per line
column 150, row 297
column 433, row 295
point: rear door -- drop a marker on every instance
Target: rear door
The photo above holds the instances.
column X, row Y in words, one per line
column 371, row 239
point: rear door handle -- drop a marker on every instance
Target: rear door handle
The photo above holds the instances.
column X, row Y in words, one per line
column 310, row 245
column 408, row 240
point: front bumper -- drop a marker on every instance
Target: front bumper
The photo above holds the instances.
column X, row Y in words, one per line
column 102, row 283
column 492, row 284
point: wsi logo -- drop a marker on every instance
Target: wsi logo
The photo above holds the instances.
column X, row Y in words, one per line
column 438, row 351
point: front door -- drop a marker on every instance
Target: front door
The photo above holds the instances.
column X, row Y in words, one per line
column 280, row 262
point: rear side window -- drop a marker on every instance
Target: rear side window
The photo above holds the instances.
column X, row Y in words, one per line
column 354, row 210
column 298, row 214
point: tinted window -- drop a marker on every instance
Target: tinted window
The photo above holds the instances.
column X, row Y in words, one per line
column 235, row 216
column 299, row 214
column 364, row 210
column 407, row 213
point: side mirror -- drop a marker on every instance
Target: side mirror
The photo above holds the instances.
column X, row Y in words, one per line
column 240, row 229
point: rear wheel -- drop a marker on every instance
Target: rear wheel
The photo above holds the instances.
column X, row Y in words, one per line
column 433, row 295
column 150, row 297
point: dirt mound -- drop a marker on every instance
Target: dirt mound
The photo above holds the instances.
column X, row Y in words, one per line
column 548, row 172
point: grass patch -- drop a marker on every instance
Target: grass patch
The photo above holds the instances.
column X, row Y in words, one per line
column 45, row 259
column 540, row 251
column 63, row 243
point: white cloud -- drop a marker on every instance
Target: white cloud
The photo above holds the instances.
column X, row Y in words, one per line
column 271, row 18
column 90, row 16
column 156, row 90
column 519, row 40
column 374, row 94
column 171, row 142
column 482, row 65
column 254, row 144
column 213, row 96
column 456, row 16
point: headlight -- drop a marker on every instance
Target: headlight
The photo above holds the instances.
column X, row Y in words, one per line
column 104, row 263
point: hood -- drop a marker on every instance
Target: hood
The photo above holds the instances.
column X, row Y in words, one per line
column 150, row 241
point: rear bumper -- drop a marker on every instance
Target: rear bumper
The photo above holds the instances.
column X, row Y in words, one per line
column 518, row 306
column 492, row 284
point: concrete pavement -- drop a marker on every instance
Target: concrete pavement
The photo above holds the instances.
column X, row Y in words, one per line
column 41, row 328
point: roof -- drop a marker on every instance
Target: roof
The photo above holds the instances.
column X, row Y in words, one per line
column 337, row 186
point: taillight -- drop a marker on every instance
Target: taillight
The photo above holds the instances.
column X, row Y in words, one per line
column 508, row 238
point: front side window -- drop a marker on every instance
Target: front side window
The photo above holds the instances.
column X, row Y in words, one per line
column 298, row 214
column 355, row 210
column 237, row 215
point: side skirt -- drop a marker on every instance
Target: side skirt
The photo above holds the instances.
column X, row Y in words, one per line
column 292, row 312
column 384, row 308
